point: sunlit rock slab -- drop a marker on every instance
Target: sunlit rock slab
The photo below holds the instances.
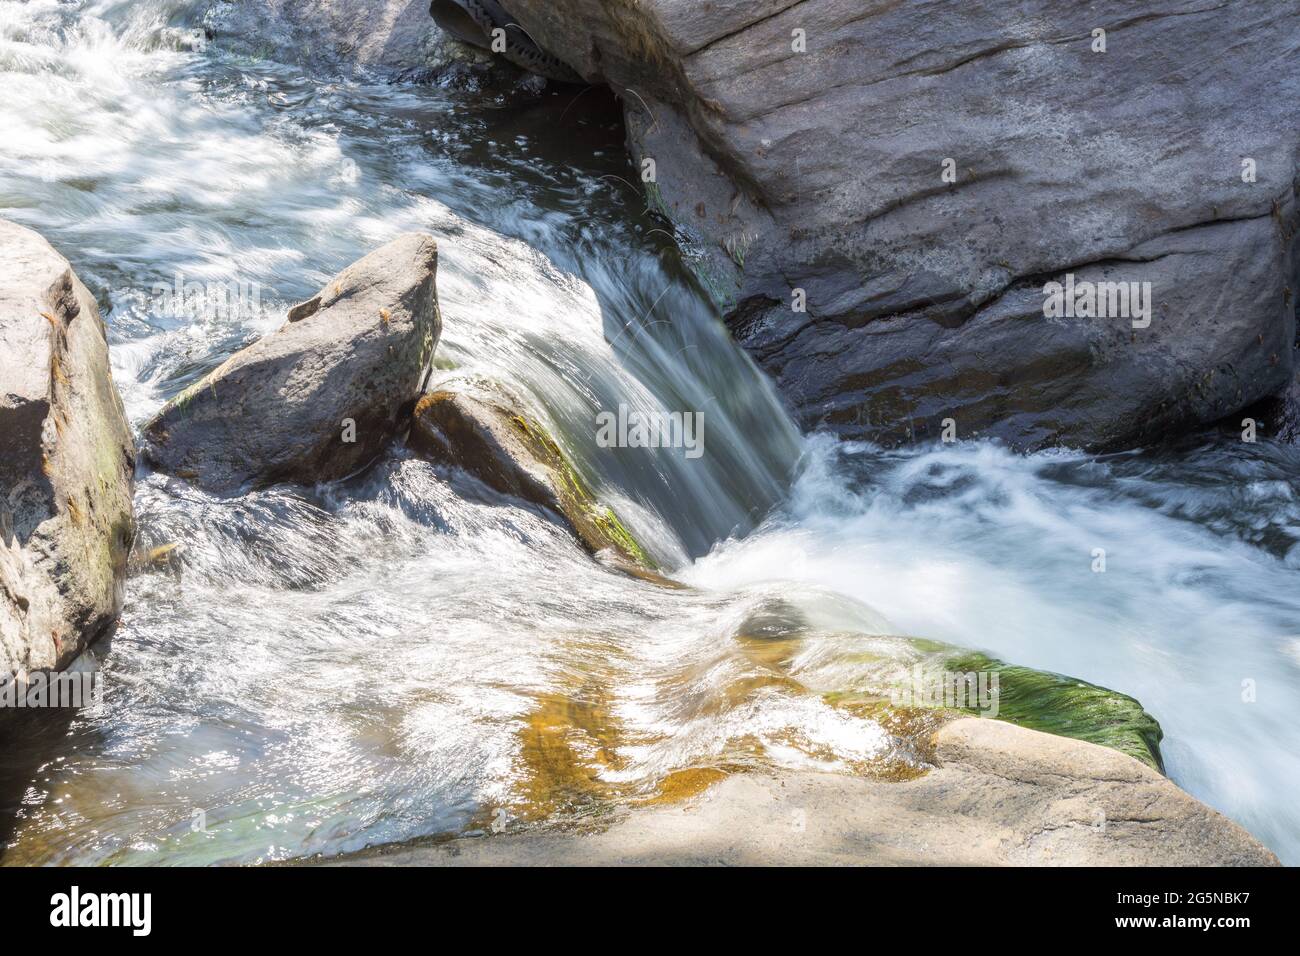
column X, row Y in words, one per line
column 1001, row 795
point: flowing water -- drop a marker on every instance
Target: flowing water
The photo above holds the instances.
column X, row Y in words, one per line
column 403, row 655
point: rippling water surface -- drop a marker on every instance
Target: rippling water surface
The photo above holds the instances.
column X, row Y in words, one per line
column 401, row 655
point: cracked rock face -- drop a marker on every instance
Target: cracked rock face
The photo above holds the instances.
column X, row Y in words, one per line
column 67, row 462
column 322, row 396
column 917, row 173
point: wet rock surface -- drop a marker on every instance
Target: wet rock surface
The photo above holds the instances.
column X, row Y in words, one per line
column 322, row 396
column 379, row 35
column 487, row 25
column 67, row 463
column 479, row 427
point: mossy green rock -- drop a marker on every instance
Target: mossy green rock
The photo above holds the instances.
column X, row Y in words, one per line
column 1068, row 707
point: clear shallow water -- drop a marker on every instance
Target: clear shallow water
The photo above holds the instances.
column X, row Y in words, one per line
column 400, row 656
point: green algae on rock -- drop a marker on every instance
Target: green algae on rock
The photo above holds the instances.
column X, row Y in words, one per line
column 970, row 682
column 1068, row 707
column 476, row 425
column 894, row 677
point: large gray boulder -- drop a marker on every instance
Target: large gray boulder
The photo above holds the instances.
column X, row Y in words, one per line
column 67, row 463
column 803, row 144
column 999, row 795
column 322, row 396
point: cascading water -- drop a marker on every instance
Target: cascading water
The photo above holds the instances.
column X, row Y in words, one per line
column 398, row 655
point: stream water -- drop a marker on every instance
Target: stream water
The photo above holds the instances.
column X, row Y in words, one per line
column 402, row 656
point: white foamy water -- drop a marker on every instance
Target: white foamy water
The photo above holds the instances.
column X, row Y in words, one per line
column 400, row 656
column 1195, row 614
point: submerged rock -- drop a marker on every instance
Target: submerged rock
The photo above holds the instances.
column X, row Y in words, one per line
column 998, row 795
column 382, row 35
column 479, row 427
column 914, row 675
column 321, row 397
column 67, row 463
column 884, row 194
